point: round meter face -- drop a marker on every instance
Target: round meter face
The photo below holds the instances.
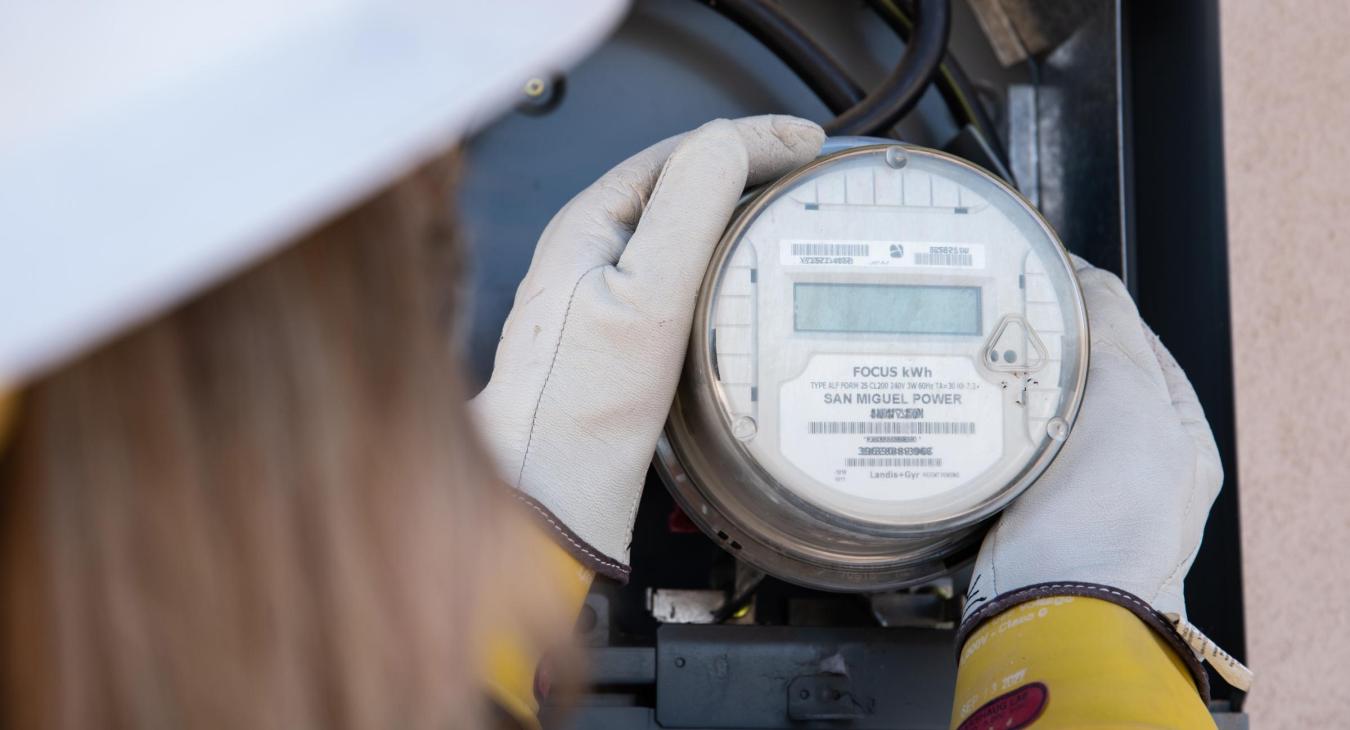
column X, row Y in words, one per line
column 895, row 338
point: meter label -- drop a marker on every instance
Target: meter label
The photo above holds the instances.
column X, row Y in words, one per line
column 891, row 427
column 894, row 254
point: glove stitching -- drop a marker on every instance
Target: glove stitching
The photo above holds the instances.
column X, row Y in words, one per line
column 534, row 417
column 1185, row 513
column 1166, row 363
column 563, row 532
column 632, row 512
column 993, row 560
column 1084, row 586
column 1104, row 344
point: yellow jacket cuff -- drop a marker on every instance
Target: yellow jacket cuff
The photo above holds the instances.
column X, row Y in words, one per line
column 1072, row 661
column 511, row 659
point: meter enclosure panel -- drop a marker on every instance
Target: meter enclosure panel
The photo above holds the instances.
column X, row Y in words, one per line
column 890, row 344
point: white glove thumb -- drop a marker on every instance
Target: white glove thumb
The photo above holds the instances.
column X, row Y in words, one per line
column 591, row 353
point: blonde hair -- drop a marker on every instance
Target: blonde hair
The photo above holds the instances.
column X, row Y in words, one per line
column 264, row 510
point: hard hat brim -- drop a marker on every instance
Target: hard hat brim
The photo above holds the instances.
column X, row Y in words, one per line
column 144, row 166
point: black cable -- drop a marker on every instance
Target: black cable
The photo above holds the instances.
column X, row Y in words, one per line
column 790, row 42
column 898, row 94
column 831, row 83
column 957, row 91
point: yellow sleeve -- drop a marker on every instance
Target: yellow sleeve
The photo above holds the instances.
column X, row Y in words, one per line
column 1067, row 661
column 510, row 657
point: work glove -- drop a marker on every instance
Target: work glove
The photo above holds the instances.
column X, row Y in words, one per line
column 1119, row 514
column 592, row 350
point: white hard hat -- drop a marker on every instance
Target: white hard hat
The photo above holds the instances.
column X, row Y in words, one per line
column 151, row 147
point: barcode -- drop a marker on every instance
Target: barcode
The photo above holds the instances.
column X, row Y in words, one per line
column 829, row 249
column 890, row 427
column 882, row 461
column 944, row 259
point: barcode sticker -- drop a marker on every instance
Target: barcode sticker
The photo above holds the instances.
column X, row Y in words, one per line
column 892, row 462
column 889, row 428
column 944, row 259
column 830, row 249
column 893, row 254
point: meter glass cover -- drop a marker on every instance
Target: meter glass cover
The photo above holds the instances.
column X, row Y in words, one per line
column 892, row 338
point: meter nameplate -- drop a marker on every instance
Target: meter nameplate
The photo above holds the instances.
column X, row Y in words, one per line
column 892, row 254
column 891, row 427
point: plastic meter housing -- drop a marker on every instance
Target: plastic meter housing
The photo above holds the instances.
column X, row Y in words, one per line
column 890, row 344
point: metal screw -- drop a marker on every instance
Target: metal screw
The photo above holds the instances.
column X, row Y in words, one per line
column 804, row 694
column 895, row 157
column 541, row 94
column 535, row 87
column 679, row 661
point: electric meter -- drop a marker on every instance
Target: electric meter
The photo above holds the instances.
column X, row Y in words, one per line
column 890, row 344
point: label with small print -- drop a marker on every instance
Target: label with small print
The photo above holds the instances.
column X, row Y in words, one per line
column 1010, row 711
column 1234, row 672
column 889, row 427
column 894, row 254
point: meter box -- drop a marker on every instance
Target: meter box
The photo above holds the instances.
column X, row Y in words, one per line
column 890, row 344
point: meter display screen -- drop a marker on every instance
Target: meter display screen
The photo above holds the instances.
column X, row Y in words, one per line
column 889, row 345
column 886, row 308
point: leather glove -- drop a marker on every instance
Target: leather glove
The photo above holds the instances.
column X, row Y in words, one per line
column 592, row 350
column 1120, row 512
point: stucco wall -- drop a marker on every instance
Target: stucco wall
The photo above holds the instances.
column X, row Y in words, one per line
column 1286, row 88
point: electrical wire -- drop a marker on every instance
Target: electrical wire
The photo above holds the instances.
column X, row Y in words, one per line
column 900, row 92
column 952, row 82
column 787, row 40
column 828, row 80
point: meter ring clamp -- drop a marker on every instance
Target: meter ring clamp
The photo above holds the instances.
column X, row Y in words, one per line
column 889, row 345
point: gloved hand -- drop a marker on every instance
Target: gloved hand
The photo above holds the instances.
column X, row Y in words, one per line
column 592, row 350
column 1120, row 512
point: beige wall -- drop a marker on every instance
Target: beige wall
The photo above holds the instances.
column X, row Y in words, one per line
column 1286, row 67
